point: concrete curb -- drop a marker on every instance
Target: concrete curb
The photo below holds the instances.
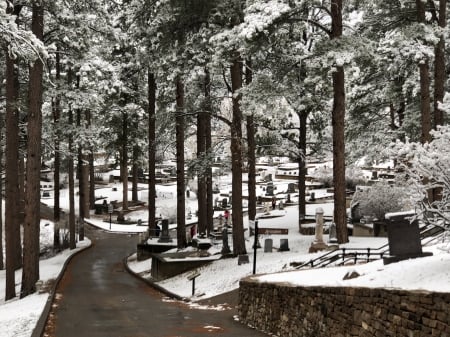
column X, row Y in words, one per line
column 153, row 284
column 38, row 330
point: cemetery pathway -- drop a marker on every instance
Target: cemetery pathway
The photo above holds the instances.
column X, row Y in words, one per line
column 98, row 298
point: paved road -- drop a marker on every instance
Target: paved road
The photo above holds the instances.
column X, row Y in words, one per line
column 98, row 298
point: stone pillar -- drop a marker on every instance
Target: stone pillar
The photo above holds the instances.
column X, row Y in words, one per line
column 318, row 244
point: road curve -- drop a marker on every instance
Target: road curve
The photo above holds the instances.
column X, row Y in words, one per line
column 98, row 298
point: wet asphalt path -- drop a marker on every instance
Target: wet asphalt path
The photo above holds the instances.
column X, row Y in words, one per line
column 97, row 297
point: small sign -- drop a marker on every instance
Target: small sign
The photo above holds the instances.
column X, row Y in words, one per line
column 110, row 208
column 193, row 276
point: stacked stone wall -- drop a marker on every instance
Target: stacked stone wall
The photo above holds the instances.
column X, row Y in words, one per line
column 288, row 311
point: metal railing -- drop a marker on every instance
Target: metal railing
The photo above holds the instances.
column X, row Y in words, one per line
column 343, row 256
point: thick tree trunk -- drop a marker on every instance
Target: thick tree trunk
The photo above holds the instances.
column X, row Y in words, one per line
column 81, row 182
column 236, row 159
column 251, row 151
column 125, row 161
column 439, row 69
column 70, row 167
column 91, row 172
column 57, row 165
column 201, row 176
column 424, row 84
column 2, row 265
column 303, row 116
column 31, row 249
column 208, row 148
column 13, row 246
column 12, row 223
column 181, row 210
column 338, row 125
column 151, row 152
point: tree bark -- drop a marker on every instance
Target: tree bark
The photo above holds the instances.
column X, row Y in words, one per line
column 303, row 116
column 251, row 151
column 134, row 188
column 81, row 181
column 236, row 159
column 151, row 152
column 338, row 125
column 201, row 176
column 57, row 165
column 181, row 199
column 424, row 71
column 208, row 149
column 31, row 249
column 70, row 165
column 13, row 247
column 125, row 161
column 439, row 69
column 91, row 192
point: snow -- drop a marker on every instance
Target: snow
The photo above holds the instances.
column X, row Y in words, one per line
column 18, row 317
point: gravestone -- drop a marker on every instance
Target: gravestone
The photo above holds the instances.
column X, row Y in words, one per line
column 291, row 188
column 284, row 245
column 165, row 237
column 269, row 189
column 268, row 245
column 225, row 247
column 243, row 259
column 403, row 237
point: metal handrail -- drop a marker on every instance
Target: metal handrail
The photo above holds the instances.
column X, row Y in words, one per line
column 343, row 253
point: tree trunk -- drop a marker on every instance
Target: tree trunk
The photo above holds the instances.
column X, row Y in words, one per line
column 181, row 211
column 338, row 125
column 70, row 165
column 251, row 151
column 134, row 188
column 208, row 148
column 57, row 165
column 424, row 84
column 201, row 173
column 151, row 152
column 81, row 181
column 303, row 116
column 236, row 159
column 13, row 247
column 125, row 161
column 91, row 169
column 2, row 265
column 439, row 69
column 31, row 249
column 203, row 227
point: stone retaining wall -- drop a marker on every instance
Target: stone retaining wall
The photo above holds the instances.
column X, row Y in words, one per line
column 287, row 311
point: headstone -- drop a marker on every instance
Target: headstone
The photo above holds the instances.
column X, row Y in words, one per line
column 268, row 177
column 268, row 245
column 403, row 237
column 269, row 189
column 318, row 244
column 165, row 237
column 288, row 199
column 374, row 175
column 243, row 259
column 284, row 245
column 332, row 238
column 225, row 247
column 280, row 205
column 291, row 188
column 312, row 196
column 224, row 203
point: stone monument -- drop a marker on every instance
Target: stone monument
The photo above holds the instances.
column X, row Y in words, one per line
column 318, row 244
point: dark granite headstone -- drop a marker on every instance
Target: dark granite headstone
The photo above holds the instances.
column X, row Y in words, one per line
column 269, row 189
column 291, row 188
column 284, row 245
column 165, row 237
column 404, row 238
column 268, row 244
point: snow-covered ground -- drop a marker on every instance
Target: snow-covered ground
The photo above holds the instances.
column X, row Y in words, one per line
column 18, row 317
